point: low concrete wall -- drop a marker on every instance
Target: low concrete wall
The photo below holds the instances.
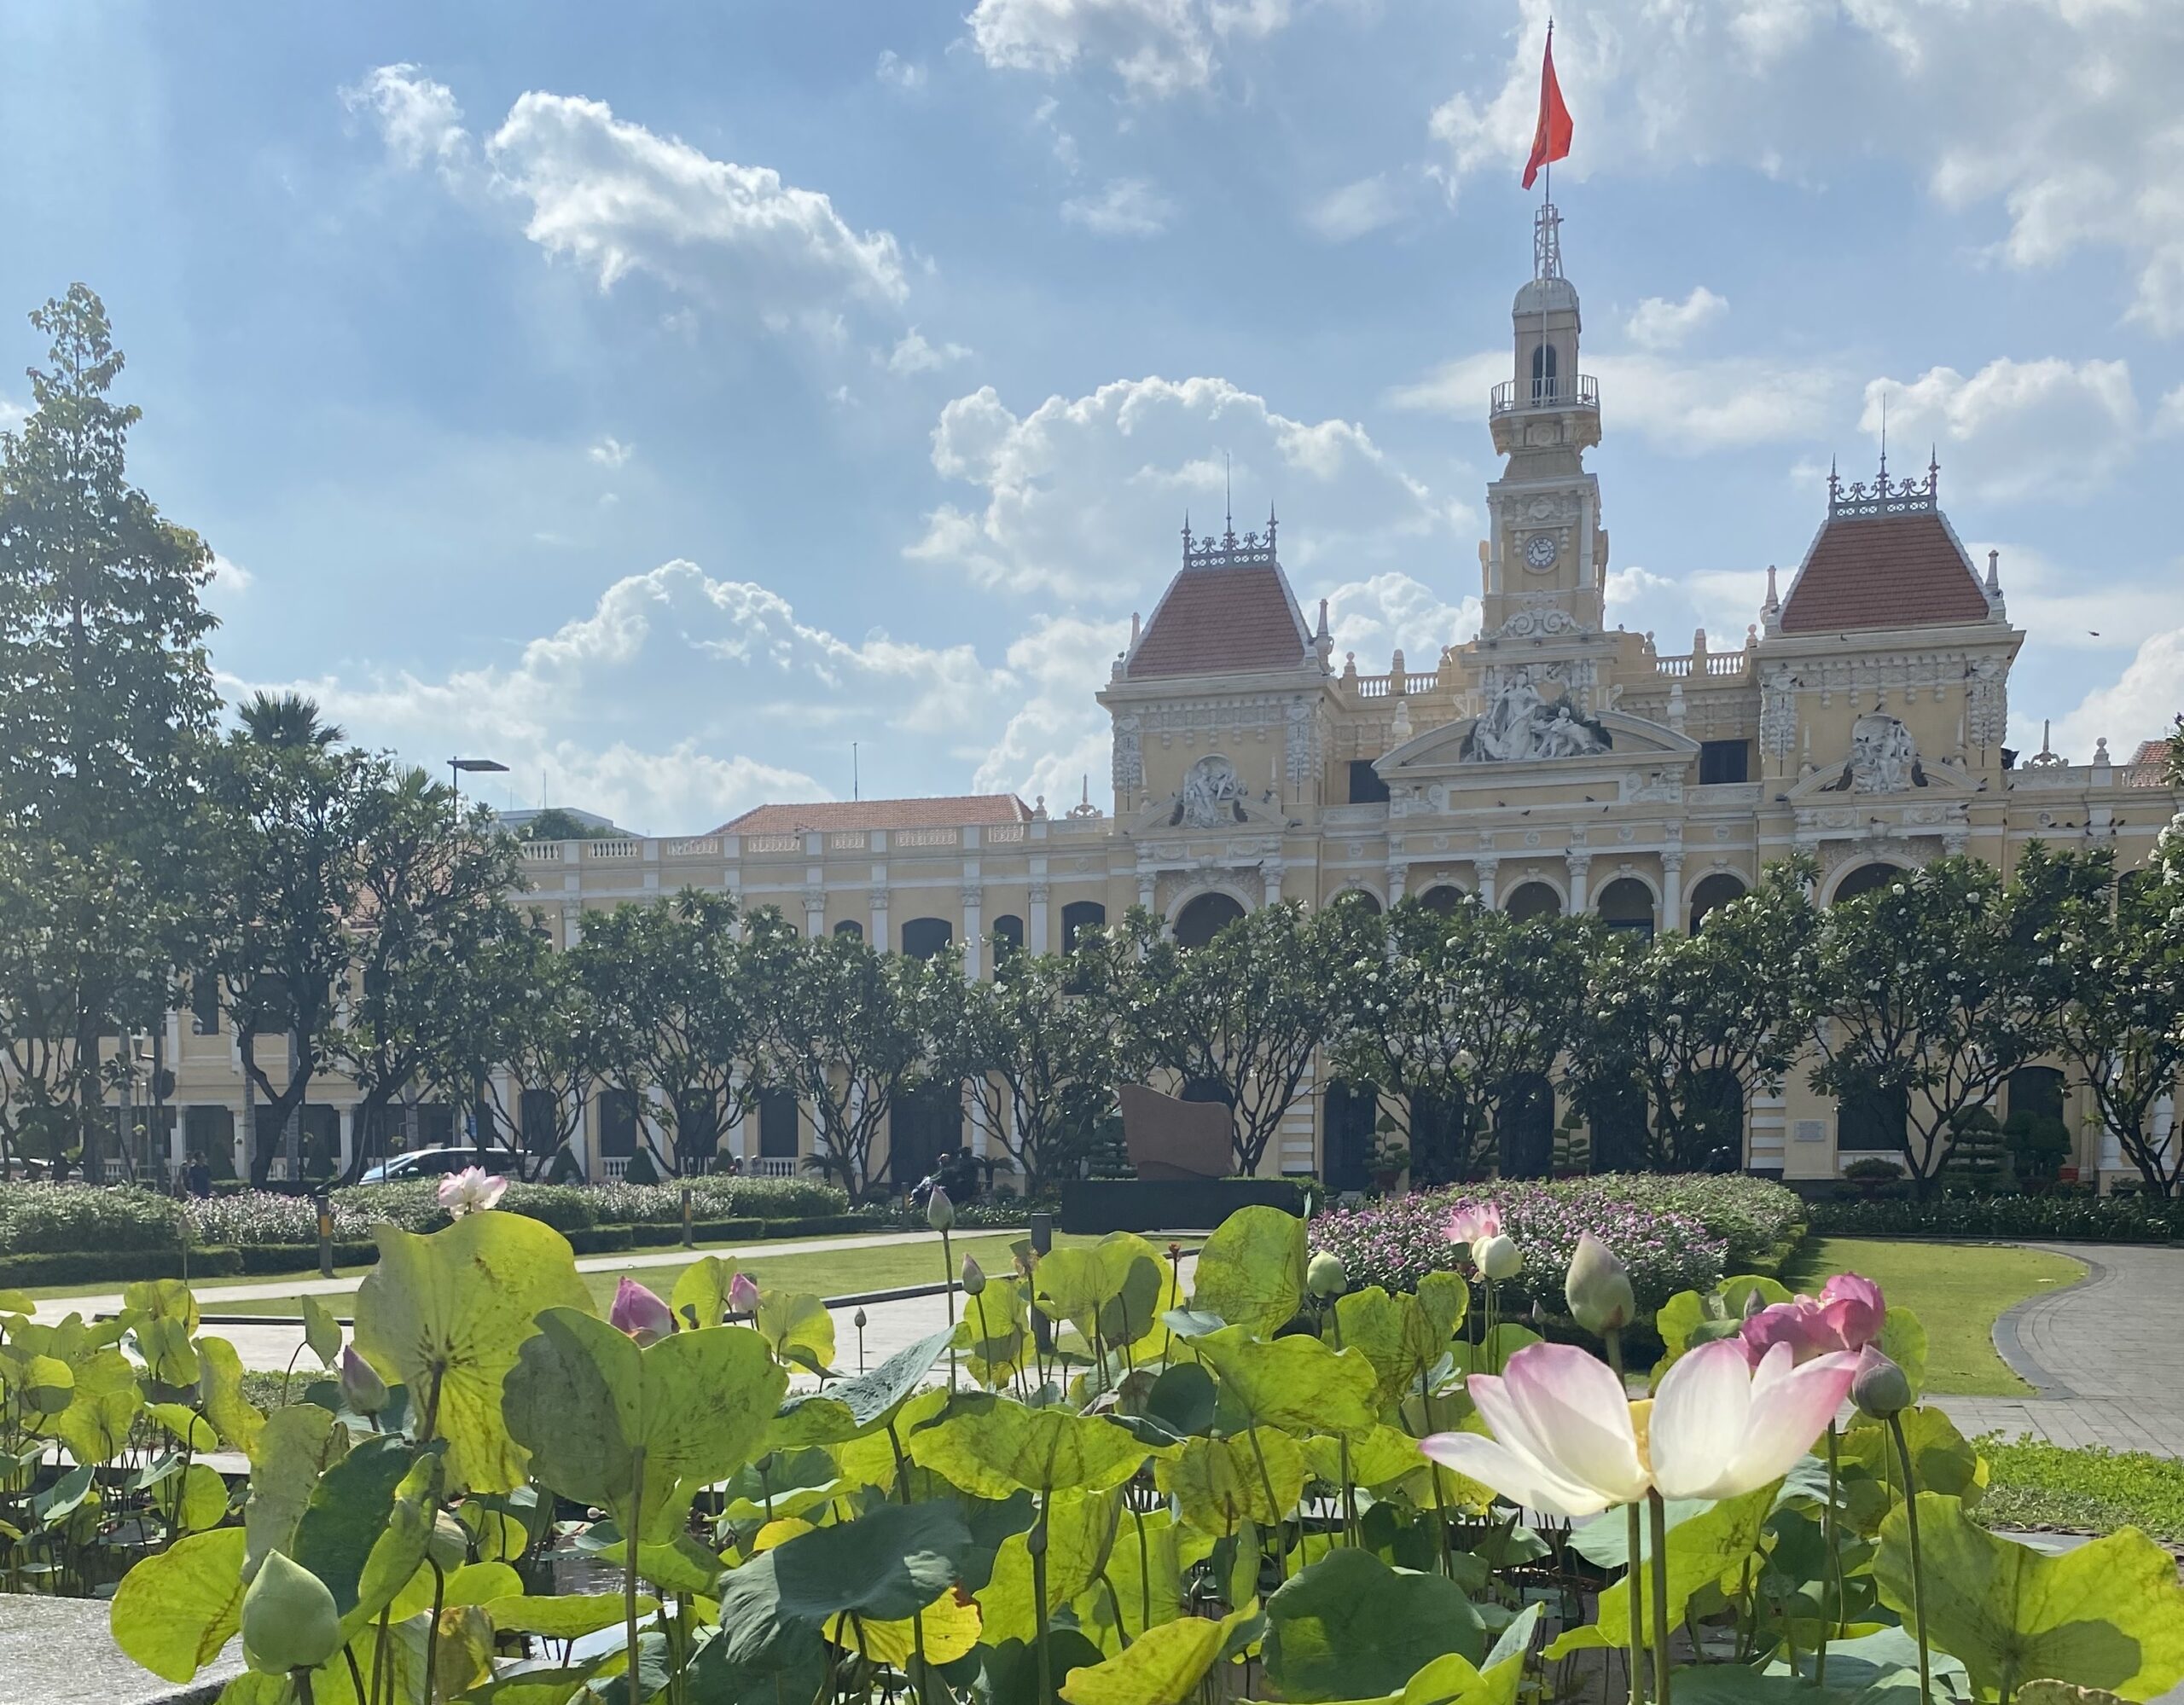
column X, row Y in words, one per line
column 59, row 1651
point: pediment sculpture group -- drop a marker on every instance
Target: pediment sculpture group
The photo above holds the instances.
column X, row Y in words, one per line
column 1524, row 724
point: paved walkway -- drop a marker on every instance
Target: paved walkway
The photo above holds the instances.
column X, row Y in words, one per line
column 2105, row 1356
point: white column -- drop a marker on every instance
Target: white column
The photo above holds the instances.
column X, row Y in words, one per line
column 1035, row 926
column 1672, row 891
column 880, row 939
column 1272, row 876
column 978, row 1123
column 815, row 912
column 1398, row 881
column 974, row 899
column 571, row 925
column 651, row 1127
column 580, row 1136
column 1580, row 864
column 347, row 1141
column 178, row 1140
column 1486, row 869
column 739, row 1130
column 1147, row 885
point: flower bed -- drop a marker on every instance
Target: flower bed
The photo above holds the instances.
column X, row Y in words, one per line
column 1674, row 1233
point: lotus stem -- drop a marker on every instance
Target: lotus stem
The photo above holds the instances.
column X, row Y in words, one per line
column 1632, row 1576
column 629, row 1572
column 433, row 1633
column 302, row 1678
column 1657, row 1513
column 947, row 1289
column 1036, row 1542
column 1917, row 1568
column 1834, row 1565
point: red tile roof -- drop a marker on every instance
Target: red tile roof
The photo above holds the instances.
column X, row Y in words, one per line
column 1884, row 572
column 947, row 813
column 1222, row 620
column 2150, row 751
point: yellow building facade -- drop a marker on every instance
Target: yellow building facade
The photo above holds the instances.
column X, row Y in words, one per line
column 1551, row 763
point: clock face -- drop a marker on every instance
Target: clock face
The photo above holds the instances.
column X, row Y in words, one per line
column 1539, row 551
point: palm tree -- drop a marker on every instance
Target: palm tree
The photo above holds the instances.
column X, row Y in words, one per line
column 287, row 719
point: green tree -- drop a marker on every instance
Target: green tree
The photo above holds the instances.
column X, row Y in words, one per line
column 1246, row 1013
column 2122, row 1029
column 105, row 697
column 1699, row 1022
column 1932, row 990
column 1032, row 1047
column 554, row 824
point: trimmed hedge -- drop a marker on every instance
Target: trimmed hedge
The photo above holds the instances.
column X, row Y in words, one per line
column 2069, row 1218
column 268, row 1258
column 118, row 1266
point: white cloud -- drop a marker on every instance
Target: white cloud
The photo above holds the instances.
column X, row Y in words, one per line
column 1391, row 612
column 12, row 414
column 2168, row 419
column 2018, row 429
column 913, row 354
column 1723, row 601
column 2141, row 705
column 1058, row 734
column 1157, row 47
column 1069, row 487
column 1684, row 407
column 1660, row 324
column 2059, row 115
column 616, row 198
column 2066, row 607
column 1356, row 209
column 230, row 580
column 1127, row 208
column 904, row 73
column 611, row 452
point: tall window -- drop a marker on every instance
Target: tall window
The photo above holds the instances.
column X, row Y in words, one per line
column 1543, row 373
column 540, row 1115
column 1530, row 900
column 1205, row 918
column 1366, row 786
column 1442, row 898
column 1878, row 1119
column 849, row 928
column 1721, row 761
column 924, row 937
column 204, row 1007
column 617, row 1122
column 1717, row 889
column 777, row 1124
column 1865, row 880
column 1627, row 903
column 1007, row 936
column 1078, row 916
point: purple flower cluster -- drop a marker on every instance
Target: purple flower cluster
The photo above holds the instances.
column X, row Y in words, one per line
column 1397, row 1242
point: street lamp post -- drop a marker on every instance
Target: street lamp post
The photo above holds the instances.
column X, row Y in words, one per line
column 467, row 1125
column 458, row 767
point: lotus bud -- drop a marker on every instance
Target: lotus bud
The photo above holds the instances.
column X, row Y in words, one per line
column 1324, row 1277
column 743, row 1295
column 860, row 1319
column 1754, row 1302
column 1880, row 1388
column 1598, row 1289
column 362, row 1389
column 974, row 1276
column 289, row 1620
column 640, row 1314
column 1497, row 1256
column 939, row 1211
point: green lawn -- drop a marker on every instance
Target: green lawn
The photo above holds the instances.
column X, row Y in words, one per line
column 2037, row 1485
column 823, row 1271
column 1956, row 1289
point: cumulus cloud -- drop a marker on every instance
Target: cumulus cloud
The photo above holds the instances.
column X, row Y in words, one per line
column 1724, row 602
column 1057, row 735
column 1067, row 488
column 2004, row 423
column 2168, row 419
column 1658, row 323
column 615, row 199
column 2058, row 115
column 611, row 452
column 913, row 354
column 1391, row 611
column 1126, row 207
column 1156, row 48
column 2140, row 706
column 2066, row 607
column 1356, row 209
column 904, row 73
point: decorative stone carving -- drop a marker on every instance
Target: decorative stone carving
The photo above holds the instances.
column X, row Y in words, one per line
column 1884, row 757
column 1666, row 785
column 1778, row 712
column 1129, row 756
column 1537, row 618
column 1213, row 794
column 1986, row 702
column 1522, row 725
column 1302, row 745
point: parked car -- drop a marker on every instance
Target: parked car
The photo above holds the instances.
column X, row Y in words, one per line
column 419, row 1163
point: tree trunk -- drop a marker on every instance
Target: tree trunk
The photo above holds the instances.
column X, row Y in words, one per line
column 90, row 1097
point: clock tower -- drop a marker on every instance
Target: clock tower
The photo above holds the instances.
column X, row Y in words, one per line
column 1543, row 565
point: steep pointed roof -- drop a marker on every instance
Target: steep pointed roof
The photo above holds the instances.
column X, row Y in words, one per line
column 1229, row 609
column 1885, row 558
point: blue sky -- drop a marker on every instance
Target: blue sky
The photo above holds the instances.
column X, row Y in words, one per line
column 661, row 397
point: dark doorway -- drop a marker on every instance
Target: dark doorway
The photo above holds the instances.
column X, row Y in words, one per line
column 926, row 1123
column 1527, row 1127
column 1530, row 900
column 1350, row 1111
column 1205, row 918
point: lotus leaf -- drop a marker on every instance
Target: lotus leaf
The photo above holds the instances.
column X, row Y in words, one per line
column 1163, row 1667
column 1114, row 1292
column 1145, row 1568
column 1446, row 1299
column 1081, row 1529
column 350, row 1511
column 321, row 1331
column 1350, row 1624
column 1250, row 1271
column 298, row 1444
column 884, row 1566
column 220, row 1393
column 1393, row 1333
column 569, row 1617
column 799, row 1327
column 1903, row 1342
column 1256, row 1476
column 700, row 1296
column 1296, row 1383
column 1381, row 1457
column 851, row 1407
column 950, row 1625
column 1701, row 1550
column 1941, row 1459
column 103, row 1405
column 202, row 1503
column 991, row 1444
column 174, row 1610
column 187, row 1427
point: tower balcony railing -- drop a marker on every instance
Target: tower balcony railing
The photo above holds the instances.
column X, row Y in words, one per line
column 1581, row 391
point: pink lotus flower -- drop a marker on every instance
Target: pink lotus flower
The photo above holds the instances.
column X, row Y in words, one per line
column 742, row 1295
column 1848, row 1314
column 1565, row 1443
column 640, row 1314
column 474, row 1188
column 1469, row 1221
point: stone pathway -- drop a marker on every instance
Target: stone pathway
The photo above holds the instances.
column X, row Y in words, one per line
column 2105, row 1356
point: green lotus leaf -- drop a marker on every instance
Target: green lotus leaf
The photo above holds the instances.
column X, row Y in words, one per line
column 995, row 1329
column 1701, row 1549
column 850, row 1407
column 1145, row 1568
column 220, row 1393
column 1181, row 1400
column 635, row 1431
column 202, row 1503
column 299, row 1445
column 470, row 1583
column 700, row 1296
column 1903, row 1342
column 174, row 1610
column 446, row 1315
column 1081, row 1527
column 1393, row 1333
column 46, row 1383
column 884, row 1566
column 1941, row 1460
column 1492, row 1354
column 1163, row 1667
column 398, row 1554
column 989, row 1446
column 799, row 1328
column 103, row 1407
column 17, row 1302
column 1250, row 1271
column 568, row 1617
column 1350, row 1625
column 1115, row 1289
column 350, row 1512
column 2063, row 1693
column 322, row 1332
column 794, row 1670
column 1254, row 1476
column 1296, row 1383
column 2109, row 1615
column 1454, row 1679
column 187, row 1426
column 1446, row 1299
column 1381, row 1457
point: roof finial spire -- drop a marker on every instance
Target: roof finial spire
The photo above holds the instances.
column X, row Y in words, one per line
column 1884, row 441
column 1228, row 497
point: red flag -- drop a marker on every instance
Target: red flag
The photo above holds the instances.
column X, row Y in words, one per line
column 1551, row 138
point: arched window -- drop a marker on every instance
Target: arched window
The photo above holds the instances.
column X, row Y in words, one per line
column 1865, row 880
column 1442, row 898
column 1078, row 916
column 1007, row 936
column 923, row 937
column 850, row 928
column 1717, row 889
column 1627, row 903
column 1530, row 900
column 1543, row 373
column 1205, row 918
column 1363, row 897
